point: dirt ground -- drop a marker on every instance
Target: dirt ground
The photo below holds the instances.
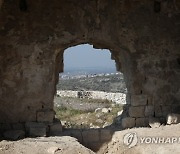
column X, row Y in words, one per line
column 166, row 146
column 69, row 145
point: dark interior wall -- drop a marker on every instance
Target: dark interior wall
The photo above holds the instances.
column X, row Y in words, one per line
column 143, row 37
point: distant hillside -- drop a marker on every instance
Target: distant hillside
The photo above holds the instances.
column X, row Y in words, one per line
column 108, row 83
column 89, row 70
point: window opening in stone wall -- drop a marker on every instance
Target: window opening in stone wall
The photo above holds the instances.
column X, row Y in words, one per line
column 90, row 92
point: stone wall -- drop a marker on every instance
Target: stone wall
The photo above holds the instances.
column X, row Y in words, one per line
column 92, row 138
column 118, row 98
column 142, row 35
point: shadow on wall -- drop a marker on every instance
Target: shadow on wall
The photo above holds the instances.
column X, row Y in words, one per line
column 94, row 139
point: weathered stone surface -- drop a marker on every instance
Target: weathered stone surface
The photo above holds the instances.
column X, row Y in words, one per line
column 154, row 122
column 31, row 56
column 14, row 134
column 142, row 122
column 44, row 145
column 45, row 116
column 136, row 111
column 33, row 124
column 128, row 122
column 55, row 128
column 166, row 110
column 18, row 126
column 176, row 108
column 76, row 133
column 158, row 111
column 52, row 150
column 1, row 2
column 149, row 111
column 5, row 127
column 91, row 135
column 105, row 135
column 35, row 129
column 138, row 100
column 173, row 118
column 94, row 145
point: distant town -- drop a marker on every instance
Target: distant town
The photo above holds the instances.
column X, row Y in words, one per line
column 85, row 75
column 87, row 72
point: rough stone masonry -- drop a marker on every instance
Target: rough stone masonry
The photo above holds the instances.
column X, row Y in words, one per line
column 142, row 35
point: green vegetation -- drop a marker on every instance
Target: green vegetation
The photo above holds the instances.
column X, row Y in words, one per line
column 87, row 118
column 64, row 113
column 80, row 113
column 111, row 83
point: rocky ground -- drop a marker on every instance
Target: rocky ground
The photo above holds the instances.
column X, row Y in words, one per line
column 116, row 145
column 86, row 113
column 44, row 145
column 69, row 145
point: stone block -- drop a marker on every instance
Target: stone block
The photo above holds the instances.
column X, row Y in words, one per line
column 173, row 118
column 154, row 122
column 45, row 116
column 176, row 108
column 105, row 135
column 76, row 133
column 142, row 122
column 37, row 132
column 136, row 111
column 137, row 100
column 128, row 122
column 55, row 129
column 95, row 146
column 35, row 129
column 5, row 127
column 33, row 124
column 166, row 110
column 17, row 126
column 158, row 111
column 149, row 111
column 14, row 134
column 150, row 100
column 91, row 135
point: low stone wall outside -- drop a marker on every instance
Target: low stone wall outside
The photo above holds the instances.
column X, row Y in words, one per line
column 118, row 98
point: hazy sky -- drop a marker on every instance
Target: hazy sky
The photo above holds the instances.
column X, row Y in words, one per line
column 85, row 56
